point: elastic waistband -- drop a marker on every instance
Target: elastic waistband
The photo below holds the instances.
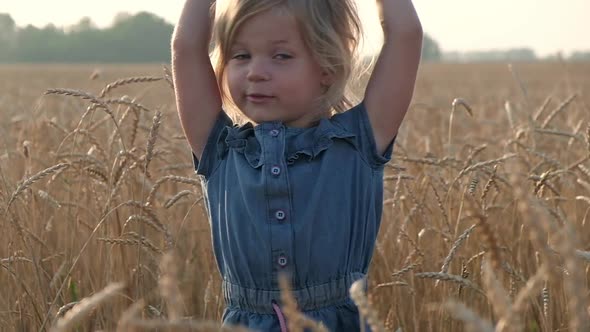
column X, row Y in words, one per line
column 310, row 298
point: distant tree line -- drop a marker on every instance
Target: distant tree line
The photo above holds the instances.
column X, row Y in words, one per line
column 145, row 37
column 514, row 54
column 580, row 56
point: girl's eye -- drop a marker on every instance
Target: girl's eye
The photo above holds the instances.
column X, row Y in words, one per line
column 241, row 56
column 283, row 56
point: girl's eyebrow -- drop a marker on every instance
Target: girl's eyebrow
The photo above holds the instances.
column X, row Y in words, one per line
column 239, row 43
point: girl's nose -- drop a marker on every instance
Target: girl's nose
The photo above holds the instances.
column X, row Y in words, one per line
column 257, row 71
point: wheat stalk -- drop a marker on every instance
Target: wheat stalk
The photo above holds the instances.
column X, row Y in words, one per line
column 445, row 267
column 156, row 225
column 52, row 201
column 497, row 295
column 531, row 287
column 154, row 221
column 30, row 181
column 173, row 178
column 80, row 159
column 296, row 320
column 56, row 125
column 492, row 241
column 404, row 270
column 542, row 108
column 456, row 102
column 93, row 140
column 558, row 133
column 77, row 93
column 95, row 100
column 168, row 77
column 65, row 308
column 584, row 170
column 97, row 174
column 168, row 285
column 395, row 283
column 491, row 182
column 516, row 77
column 583, row 254
column 559, row 108
column 477, row 150
column 185, row 324
column 357, row 294
column 125, row 101
column 58, row 274
column 14, row 259
column 470, row 318
column 484, row 164
column 152, row 141
column 74, row 315
column 129, row 315
column 126, row 81
column 546, row 299
column 131, row 242
column 441, row 208
column 449, row 277
column 169, row 203
column 135, row 125
column 473, row 185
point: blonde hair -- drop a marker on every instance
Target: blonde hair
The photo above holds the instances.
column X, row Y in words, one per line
column 331, row 30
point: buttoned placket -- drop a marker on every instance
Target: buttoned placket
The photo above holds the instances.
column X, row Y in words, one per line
column 278, row 200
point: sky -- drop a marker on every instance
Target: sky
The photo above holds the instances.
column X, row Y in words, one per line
column 546, row 26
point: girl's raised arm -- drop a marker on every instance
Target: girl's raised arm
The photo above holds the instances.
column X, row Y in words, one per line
column 197, row 94
column 391, row 86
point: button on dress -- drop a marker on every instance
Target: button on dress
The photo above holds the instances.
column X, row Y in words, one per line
column 303, row 202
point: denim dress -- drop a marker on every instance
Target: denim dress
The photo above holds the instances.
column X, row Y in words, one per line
column 303, row 202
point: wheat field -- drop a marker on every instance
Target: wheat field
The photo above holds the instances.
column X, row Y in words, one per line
column 485, row 224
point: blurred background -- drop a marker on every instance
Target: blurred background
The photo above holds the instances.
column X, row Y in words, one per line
column 97, row 180
column 113, row 31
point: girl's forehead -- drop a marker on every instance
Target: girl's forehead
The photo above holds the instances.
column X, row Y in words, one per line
column 271, row 26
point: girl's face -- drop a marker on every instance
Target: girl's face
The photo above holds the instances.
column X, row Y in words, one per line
column 272, row 75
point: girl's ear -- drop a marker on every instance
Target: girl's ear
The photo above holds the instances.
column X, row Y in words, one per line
column 327, row 78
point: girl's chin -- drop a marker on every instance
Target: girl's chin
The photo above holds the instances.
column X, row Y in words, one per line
column 259, row 116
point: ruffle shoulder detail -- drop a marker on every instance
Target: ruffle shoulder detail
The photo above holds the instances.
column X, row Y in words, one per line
column 243, row 140
column 312, row 142
column 306, row 144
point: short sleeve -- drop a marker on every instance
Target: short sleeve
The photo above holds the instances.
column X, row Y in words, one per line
column 210, row 158
column 356, row 120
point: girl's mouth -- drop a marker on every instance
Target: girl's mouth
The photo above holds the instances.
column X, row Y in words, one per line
column 258, row 98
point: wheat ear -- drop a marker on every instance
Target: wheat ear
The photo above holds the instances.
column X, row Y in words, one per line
column 357, row 294
column 28, row 182
column 149, row 154
column 126, row 81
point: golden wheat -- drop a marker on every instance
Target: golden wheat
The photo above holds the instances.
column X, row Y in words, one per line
column 114, row 209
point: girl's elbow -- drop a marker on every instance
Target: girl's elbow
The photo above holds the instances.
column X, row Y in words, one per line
column 181, row 46
column 183, row 49
column 406, row 36
column 407, row 32
column 419, row 30
column 413, row 31
column 419, row 34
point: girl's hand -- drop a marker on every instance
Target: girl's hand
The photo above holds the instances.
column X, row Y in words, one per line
column 391, row 86
column 397, row 15
column 194, row 26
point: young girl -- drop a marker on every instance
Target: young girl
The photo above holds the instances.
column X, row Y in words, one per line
column 295, row 190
